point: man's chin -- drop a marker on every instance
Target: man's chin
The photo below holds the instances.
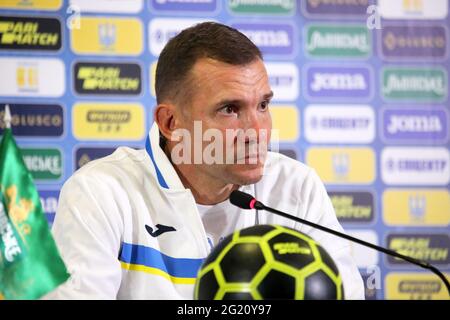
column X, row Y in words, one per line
column 248, row 175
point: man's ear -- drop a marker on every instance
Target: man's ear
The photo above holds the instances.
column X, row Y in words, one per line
column 165, row 117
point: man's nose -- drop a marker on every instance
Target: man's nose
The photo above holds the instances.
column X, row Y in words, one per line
column 251, row 121
column 251, row 127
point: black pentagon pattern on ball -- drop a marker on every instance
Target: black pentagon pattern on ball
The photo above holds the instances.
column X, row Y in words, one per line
column 258, row 231
column 244, row 259
column 217, row 250
column 242, row 262
column 326, row 259
column 208, row 286
column 296, row 260
column 237, row 296
column 277, row 285
column 319, row 286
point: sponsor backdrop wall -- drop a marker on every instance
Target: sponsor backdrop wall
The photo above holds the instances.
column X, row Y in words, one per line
column 367, row 107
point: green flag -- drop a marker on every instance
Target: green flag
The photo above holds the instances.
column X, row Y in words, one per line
column 30, row 265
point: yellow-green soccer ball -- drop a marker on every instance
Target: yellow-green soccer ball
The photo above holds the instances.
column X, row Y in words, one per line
column 268, row 262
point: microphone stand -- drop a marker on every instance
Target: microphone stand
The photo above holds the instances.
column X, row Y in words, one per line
column 258, row 205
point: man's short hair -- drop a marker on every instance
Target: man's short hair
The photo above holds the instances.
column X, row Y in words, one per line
column 204, row 40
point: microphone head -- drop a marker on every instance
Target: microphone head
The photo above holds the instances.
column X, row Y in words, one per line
column 242, row 200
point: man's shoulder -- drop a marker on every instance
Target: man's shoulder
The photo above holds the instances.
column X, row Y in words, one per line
column 278, row 163
column 281, row 170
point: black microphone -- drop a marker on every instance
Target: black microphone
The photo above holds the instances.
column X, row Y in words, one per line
column 246, row 201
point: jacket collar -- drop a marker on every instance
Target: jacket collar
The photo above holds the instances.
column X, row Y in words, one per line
column 165, row 172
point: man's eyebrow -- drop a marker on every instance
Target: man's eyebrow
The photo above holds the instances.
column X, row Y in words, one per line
column 225, row 102
column 268, row 96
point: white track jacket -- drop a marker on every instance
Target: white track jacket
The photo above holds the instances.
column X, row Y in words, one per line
column 104, row 208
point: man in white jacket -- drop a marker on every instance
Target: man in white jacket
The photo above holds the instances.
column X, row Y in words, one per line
column 138, row 224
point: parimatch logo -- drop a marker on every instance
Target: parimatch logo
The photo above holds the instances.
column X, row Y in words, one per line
column 353, row 206
column 107, row 78
column 433, row 248
column 30, row 33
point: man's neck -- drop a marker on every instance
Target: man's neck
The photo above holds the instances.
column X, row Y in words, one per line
column 206, row 190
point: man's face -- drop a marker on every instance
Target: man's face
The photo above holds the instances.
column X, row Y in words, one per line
column 229, row 100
